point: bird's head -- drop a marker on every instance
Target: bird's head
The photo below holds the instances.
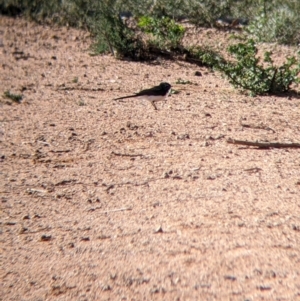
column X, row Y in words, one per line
column 165, row 85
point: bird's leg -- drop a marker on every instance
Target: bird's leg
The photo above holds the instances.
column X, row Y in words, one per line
column 155, row 107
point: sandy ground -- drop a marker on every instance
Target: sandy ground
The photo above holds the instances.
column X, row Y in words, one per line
column 110, row 200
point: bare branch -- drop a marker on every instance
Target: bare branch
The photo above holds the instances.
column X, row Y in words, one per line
column 264, row 144
column 127, row 155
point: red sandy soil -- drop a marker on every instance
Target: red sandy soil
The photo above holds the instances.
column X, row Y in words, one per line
column 111, row 200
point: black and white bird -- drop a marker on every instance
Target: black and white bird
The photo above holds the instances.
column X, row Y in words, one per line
column 154, row 94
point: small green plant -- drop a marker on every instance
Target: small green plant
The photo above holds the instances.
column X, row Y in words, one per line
column 166, row 33
column 174, row 92
column 81, row 102
column 183, row 82
column 75, row 80
column 13, row 97
column 248, row 73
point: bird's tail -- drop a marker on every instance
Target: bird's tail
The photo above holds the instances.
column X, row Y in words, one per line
column 124, row 97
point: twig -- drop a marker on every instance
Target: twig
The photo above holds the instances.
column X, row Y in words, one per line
column 113, row 210
column 258, row 127
column 264, row 144
column 64, row 182
column 127, row 155
column 272, row 81
column 79, row 88
column 31, row 191
column 111, row 186
column 88, row 144
column 60, row 151
column 253, row 170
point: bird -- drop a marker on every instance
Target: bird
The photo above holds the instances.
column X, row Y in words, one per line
column 154, row 94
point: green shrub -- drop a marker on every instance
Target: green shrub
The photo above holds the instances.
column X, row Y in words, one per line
column 112, row 33
column 247, row 73
column 277, row 23
column 166, row 33
column 62, row 12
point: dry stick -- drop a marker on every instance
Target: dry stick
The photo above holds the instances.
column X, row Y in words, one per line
column 113, row 210
column 127, row 155
column 258, row 127
column 117, row 210
column 263, row 144
column 59, row 151
column 79, row 88
column 111, row 186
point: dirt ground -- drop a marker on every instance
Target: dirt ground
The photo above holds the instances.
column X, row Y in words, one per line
column 111, row 200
